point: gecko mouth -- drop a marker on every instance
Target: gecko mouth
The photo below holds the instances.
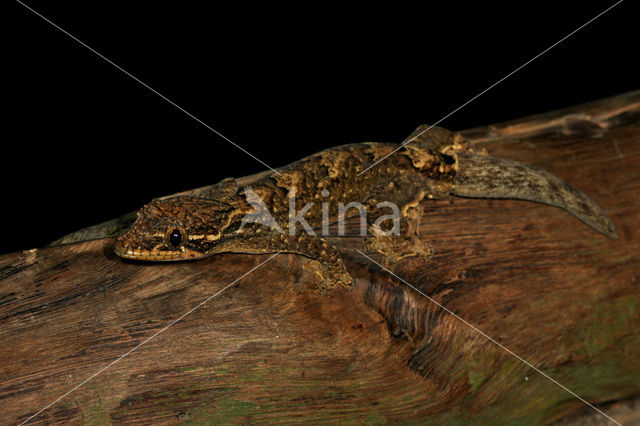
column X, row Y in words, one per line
column 154, row 255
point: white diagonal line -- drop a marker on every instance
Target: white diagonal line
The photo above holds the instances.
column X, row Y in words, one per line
column 149, row 87
column 491, row 339
column 494, row 84
column 149, row 338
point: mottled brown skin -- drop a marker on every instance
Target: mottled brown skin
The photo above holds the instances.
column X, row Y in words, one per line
column 435, row 164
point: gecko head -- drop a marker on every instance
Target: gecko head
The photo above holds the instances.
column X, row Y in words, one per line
column 179, row 228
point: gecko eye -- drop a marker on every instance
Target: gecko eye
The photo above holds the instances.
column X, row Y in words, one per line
column 175, row 237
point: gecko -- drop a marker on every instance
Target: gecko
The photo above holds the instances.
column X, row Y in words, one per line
column 436, row 164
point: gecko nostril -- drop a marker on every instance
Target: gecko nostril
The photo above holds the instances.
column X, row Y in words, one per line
column 123, row 243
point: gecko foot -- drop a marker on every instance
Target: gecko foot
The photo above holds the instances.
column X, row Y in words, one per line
column 329, row 276
column 394, row 249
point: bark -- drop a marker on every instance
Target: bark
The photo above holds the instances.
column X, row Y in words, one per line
column 270, row 349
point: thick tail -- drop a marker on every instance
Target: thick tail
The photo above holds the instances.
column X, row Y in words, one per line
column 481, row 176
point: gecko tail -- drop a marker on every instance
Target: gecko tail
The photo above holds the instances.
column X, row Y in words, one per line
column 481, row 176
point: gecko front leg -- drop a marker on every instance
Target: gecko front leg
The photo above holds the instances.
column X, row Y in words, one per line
column 407, row 243
column 327, row 262
column 393, row 228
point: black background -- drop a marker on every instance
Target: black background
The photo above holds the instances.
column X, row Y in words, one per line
column 84, row 142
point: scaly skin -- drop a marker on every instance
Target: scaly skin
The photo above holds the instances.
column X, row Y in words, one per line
column 436, row 164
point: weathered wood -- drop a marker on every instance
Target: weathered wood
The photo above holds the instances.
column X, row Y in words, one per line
column 269, row 349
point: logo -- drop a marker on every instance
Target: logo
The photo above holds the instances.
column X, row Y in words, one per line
column 384, row 224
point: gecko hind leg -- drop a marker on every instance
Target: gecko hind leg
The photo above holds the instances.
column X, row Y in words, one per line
column 400, row 245
column 330, row 275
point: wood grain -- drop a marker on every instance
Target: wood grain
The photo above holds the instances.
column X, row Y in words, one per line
column 269, row 349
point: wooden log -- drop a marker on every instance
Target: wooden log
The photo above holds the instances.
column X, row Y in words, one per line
column 270, row 349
